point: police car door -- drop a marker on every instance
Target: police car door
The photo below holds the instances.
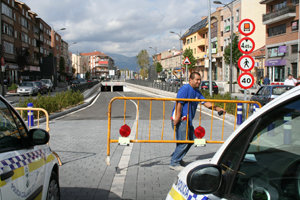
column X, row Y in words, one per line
column 21, row 176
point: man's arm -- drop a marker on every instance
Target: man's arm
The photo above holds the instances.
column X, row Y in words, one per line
column 177, row 113
column 216, row 108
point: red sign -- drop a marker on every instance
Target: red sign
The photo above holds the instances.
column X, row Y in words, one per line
column 186, row 61
column 246, row 27
column 246, row 45
column 2, row 61
column 246, row 80
column 246, row 63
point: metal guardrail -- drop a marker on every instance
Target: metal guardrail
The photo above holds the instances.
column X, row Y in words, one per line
column 173, row 140
column 84, row 86
column 37, row 110
column 171, row 87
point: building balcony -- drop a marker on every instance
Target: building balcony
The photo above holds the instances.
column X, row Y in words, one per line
column 201, row 42
column 280, row 15
column 200, row 55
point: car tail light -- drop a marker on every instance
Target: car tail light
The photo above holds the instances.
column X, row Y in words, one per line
column 125, row 130
column 199, row 132
column 215, row 86
column 204, row 86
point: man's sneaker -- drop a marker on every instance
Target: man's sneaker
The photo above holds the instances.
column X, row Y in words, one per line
column 182, row 163
column 176, row 167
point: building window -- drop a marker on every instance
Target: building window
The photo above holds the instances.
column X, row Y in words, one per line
column 24, row 37
column 8, row 47
column 194, row 38
column 222, row 48
column 294, row 48
column 221, row 33
column 7, row 29
column 275, row 52
column 294, row 2
column 203, row 35
column 41, row 26
column 16, row 34
column 24, row 22
column 195, row 51
column 6, row 10
column 191, row 40
column 277, row 7
column 188, row 41
column 277, row 30
column 222, row 18
column 237, row 15
column 295, row 25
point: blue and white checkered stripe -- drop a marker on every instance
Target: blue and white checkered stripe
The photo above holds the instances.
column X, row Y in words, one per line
column 21, row 160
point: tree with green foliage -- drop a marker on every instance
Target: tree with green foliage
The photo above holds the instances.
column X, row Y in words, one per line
column 189, row 53
column 158, row 67
column 236, row 54
column 143, row 62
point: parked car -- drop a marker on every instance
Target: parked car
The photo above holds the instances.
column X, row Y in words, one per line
column 174, row 80
column 43, row 89
column 205, row 86
column 267, row 93
column 29, row 168
column 259, row 160
column 75, row 82
column 27, row 88
column 82, row 80
column 49, row 84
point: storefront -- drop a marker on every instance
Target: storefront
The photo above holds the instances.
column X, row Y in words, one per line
column 276, row 70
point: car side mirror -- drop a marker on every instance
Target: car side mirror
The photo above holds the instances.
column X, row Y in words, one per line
column 253, row 93
column 204, row 179
column 38, row 136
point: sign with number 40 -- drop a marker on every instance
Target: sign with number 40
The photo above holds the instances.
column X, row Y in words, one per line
column 246, row 80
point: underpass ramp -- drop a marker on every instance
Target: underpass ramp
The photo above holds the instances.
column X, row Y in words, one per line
column 112, row 86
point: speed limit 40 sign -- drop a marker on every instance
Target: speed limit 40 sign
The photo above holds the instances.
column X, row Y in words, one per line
column 246, row 80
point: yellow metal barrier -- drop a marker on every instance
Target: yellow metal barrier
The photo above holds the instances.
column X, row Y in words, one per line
column 162, row 140
column 38, row 110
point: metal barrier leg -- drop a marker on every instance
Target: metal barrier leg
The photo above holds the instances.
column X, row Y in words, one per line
column 239, row 113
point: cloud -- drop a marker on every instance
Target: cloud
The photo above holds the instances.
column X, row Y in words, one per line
column 120, row 26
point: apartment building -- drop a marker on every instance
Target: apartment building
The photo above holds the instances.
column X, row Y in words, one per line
column 282, row 39
column 239, row 10
column 171, row 63
column 27, row 44
column 99, row 64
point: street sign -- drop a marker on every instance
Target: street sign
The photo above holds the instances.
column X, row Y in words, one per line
column 246, row 45
column 246, row 63
column 246, row 80
column 246, row 27
column 186, row 61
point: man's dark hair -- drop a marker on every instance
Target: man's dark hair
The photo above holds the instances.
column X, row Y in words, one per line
column 193, row 74
column 290, row 75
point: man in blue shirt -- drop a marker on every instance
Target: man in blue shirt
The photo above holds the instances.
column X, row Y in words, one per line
column 179, row 118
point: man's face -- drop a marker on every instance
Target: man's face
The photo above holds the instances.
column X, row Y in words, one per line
column 290, row 77
column 195, row 83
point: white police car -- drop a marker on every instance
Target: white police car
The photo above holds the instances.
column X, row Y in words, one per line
column 259, row 161
column 28, row 168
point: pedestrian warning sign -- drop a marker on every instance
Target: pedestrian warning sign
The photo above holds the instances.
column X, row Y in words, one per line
column 186, row 61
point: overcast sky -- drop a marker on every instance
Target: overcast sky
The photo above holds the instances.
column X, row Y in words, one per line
column 121, row 26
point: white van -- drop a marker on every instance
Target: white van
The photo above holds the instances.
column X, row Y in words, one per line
column 260, row 160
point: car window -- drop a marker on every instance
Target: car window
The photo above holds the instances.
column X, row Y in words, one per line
column 271, row 165
column 266, row 91
column 11, row 129
column 279, row 90
column 260, row 91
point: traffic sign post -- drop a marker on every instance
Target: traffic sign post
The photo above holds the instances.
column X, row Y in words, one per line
column 246, row 63
column 186, row 62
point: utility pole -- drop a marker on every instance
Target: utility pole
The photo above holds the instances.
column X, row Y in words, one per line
column 209, row 50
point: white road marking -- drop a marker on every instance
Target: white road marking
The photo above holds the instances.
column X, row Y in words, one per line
column 117, row 185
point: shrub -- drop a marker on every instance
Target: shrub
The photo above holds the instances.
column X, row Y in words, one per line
column 55, row 103
column 230, row 107
column 12, row 87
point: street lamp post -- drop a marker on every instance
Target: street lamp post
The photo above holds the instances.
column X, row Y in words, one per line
column 209, row 49
column 179, row 35
column 231, row 33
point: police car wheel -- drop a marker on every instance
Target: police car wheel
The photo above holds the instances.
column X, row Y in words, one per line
column 53, row 188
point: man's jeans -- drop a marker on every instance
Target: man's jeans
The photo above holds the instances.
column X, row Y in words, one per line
column 181, row 148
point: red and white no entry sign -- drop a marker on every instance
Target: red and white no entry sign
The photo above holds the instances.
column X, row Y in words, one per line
column 246, row 27
column 246, row 80
column 246, row 45
column 246, row 63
